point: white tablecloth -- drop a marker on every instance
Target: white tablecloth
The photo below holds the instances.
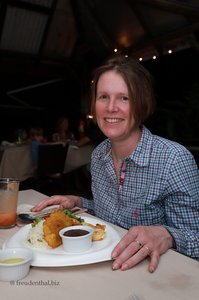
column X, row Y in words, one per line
column 177, row 277
column 77, row 157
column 16, row 162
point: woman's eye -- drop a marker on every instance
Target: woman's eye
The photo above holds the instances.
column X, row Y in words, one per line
column 102, row 97
column 124, row 98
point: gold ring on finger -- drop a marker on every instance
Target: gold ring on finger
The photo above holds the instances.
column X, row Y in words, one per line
column 139, row 244
column 148, row 249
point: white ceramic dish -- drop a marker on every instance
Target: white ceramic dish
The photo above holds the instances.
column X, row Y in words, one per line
column 75, row 243
column 15, row 270
column 100, row 250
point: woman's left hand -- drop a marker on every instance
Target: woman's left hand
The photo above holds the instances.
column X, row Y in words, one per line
column 140, row 242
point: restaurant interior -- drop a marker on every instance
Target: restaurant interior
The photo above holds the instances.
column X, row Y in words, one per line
column 48, row 50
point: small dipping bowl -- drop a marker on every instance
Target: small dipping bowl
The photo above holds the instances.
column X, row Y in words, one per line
column 77, row 238
column 14, row 263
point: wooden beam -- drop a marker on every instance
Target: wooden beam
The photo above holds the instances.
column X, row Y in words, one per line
column 163, row 38
column 88, row 11
column 172, row 6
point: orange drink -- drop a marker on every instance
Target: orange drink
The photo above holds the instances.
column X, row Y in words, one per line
column 7, row 219
column 9, row 189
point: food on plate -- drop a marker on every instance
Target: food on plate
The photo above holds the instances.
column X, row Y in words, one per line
column 35, row 236
column 44, row 232
column 99, row 231
column 53, row 224
column 75, row 232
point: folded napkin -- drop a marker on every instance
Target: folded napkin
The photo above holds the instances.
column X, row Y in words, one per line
column 26, row 209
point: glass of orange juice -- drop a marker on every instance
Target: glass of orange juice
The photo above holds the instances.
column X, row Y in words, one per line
column 9, row 189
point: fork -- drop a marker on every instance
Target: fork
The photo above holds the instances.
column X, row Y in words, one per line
column 134, row 297
column 32, row 216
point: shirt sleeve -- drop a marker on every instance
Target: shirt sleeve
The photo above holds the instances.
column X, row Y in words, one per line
column 88, row 204
column 182, row 204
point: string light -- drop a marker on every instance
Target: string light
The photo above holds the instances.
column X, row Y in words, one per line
column 148, row 56
column 89, row 117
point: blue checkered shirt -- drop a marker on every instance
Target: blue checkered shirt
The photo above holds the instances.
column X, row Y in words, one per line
column 161, row 187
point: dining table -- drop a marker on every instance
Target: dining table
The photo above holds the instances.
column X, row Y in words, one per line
column 16, row 162
column 176, row 278
column 77, row 157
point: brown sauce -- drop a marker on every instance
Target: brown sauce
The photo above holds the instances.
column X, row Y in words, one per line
column 76, row 232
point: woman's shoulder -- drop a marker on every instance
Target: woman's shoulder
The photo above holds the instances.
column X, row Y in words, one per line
column 163, row 143
column 166, row 152
column 102, row 149
column 158, row 148
column 169, row 145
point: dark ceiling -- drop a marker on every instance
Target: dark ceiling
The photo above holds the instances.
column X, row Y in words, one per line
column 47, row 36
column 44, row 43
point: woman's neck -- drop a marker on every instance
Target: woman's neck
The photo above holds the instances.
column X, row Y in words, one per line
column 122, row 149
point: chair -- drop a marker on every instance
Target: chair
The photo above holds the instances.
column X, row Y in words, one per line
column 51, row 162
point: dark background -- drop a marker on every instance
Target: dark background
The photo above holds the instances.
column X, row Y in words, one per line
column 48, row 50
column 176, row 88
column 177, row 92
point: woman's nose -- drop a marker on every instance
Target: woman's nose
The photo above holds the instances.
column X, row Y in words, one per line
column 112, row 105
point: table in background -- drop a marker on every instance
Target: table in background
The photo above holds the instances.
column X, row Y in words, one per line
column 77, row 157
column 16, row 162
column 177, row 277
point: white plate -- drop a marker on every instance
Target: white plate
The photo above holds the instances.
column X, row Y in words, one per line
column 100, row 250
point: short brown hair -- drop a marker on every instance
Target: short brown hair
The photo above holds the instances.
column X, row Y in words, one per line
column 138, row 80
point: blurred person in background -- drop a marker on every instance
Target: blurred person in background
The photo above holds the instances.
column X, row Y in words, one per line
column 36, row 138
column 62, row 132
column 92, row 134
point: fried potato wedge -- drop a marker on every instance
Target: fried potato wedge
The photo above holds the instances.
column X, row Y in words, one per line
column 53, row 240
column 99, row 231
column 53, row 224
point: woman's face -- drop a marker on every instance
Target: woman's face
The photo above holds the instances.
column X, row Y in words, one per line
column 113, row 110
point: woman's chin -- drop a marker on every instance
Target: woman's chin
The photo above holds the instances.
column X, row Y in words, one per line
column 114, row 137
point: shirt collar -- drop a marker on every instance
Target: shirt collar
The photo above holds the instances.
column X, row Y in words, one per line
column 140, row 156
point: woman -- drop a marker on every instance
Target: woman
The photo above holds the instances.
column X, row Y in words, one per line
column 142, row 182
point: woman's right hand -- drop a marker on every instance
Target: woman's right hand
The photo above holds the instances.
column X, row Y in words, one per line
column 68, row 201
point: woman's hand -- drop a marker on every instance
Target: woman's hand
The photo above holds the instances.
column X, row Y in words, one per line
column 140, row 242
column 68, row 201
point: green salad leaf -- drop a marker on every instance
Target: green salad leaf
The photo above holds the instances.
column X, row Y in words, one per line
column 36, row 221
column 72, row 215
